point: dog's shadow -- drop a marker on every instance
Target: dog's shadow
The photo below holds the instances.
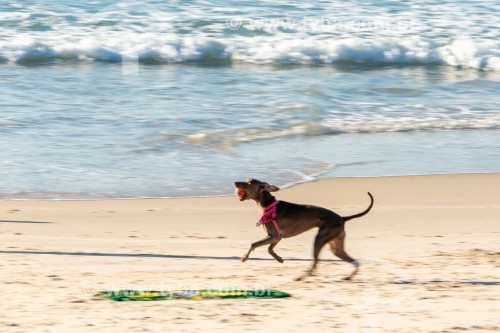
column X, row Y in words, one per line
column 148, row 255
column 34, row 222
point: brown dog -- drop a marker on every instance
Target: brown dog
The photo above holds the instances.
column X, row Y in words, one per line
column 284, row 219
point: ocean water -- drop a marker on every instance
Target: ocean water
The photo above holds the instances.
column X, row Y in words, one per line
column 127, row 99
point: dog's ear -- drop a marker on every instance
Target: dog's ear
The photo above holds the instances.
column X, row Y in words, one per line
column 270, row 188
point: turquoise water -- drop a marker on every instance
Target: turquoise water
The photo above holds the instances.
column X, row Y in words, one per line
column 106, row 99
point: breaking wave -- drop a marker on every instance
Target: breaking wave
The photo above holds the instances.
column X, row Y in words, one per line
column 265, row 33
column 162, row 49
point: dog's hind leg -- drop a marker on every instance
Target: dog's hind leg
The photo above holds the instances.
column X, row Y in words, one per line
column 338, row 250
column 271, row 252
column 268, row 240
column 322, row 238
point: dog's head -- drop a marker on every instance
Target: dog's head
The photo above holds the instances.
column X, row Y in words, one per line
column 251, row 189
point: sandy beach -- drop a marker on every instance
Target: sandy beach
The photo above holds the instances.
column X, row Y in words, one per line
column 429, row 254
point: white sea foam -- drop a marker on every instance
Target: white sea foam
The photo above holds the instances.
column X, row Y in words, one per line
column 259, row 50
column 463, row 36
column 13, row 16
column 357, row 123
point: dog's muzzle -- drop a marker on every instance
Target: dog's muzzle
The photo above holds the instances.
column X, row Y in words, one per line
column 242, row 194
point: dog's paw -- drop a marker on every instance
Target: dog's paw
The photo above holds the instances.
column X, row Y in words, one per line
column 280, row 260
column 244, row 258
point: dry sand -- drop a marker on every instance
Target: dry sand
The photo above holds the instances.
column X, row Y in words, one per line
column 429, row 252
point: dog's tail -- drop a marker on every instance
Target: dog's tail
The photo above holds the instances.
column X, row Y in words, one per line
column 347, row 218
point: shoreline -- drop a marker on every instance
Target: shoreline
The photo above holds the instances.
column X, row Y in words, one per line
column 284, row 187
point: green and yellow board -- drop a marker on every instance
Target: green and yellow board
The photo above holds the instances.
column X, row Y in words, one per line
column 136, row 295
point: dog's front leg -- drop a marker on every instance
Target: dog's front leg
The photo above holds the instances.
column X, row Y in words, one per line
column 271, row 252
column 268, row 240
